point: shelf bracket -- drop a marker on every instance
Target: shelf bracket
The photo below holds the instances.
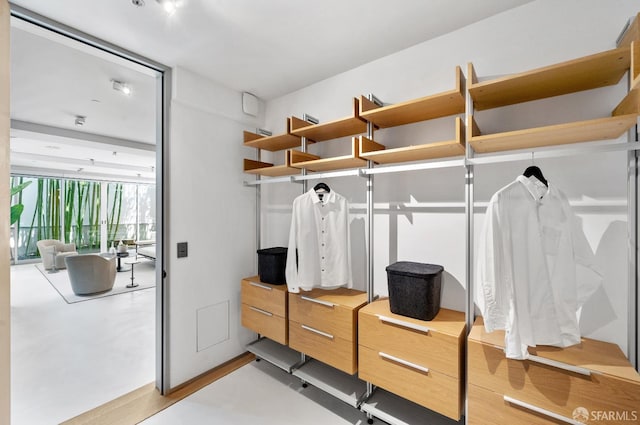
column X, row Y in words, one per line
column 372, row 97
column 263, row 132
column 311, row 119
column 293, row 179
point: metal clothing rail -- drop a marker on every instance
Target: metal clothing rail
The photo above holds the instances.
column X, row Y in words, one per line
column 556, row 152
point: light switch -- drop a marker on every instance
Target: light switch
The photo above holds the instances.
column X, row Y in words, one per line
column 182, row 249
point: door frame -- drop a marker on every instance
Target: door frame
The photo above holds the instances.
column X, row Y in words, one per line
column 163, row 96
column 5, row 263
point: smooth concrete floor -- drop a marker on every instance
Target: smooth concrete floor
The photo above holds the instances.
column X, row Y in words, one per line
column 69, row 358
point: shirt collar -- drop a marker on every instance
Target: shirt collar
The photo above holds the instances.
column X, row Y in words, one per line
column 328, row 197
column 535, row 187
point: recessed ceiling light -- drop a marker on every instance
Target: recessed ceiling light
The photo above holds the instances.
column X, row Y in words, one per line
column 138, row 3
column 169, row 6
column 124, row 88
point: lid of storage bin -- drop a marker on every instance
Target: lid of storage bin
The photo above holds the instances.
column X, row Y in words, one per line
column 409, row 268
column 278, row 250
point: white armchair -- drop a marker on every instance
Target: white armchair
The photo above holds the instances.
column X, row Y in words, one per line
column 50, row 248
column 91, row 273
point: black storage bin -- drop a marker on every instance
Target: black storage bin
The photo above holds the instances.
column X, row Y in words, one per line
column 414, row 289
column 271, row 265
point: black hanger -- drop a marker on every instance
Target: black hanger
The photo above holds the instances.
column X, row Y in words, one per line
column 321, row 186
column 536, row 172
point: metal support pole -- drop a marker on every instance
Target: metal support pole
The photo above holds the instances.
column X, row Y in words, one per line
column 369, row 259
column 312, row 120
column 303, row 140
column 632, row 235
column 469, row 212
column 258, row 207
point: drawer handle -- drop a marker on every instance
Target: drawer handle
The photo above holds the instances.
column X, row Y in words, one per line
column 258, row 285
column 313, row 300
column 310, row 329
column 256, row 309
column 403, row 323
column 404, row 362
column 560, row 365
column 540, row 410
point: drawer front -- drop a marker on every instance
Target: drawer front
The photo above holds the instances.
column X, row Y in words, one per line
column 264, row 297
column 336, row 351
column 486, row 407
column 442, row 352
column 265, row 323
column 334, row 319
column 431, row 389
column 549, row 387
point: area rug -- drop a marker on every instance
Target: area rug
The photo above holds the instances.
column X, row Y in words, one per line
column 144, row 275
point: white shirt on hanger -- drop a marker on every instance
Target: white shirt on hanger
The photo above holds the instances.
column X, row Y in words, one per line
column 535, row 267
column 320, row 234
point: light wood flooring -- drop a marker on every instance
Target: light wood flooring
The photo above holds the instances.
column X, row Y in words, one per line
column 146, row 401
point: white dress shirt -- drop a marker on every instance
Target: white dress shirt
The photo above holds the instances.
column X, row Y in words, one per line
column 320, row 234
column 535, row 267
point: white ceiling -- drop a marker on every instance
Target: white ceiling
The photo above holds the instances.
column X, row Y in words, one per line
column 268, row 48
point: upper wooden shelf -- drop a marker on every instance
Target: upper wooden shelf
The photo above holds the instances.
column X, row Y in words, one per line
column 373, row 151
column 314, row 163
column 330, row 130
column 269, row 170
column 583, row 131
column 589, row 72
column 435, row 106
column 632, row 32
column 635, row 65
column 272, row 143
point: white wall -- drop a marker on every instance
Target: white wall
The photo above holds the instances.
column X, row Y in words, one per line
column 212, row 211
column 419, row 216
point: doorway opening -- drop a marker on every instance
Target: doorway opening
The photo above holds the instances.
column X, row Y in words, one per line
column 88, row 131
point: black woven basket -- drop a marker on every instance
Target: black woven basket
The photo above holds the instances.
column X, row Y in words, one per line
column 414, row 289
column 271, row 265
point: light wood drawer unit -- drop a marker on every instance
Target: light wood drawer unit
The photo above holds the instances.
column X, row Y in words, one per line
column 488, row 407
column 323, row 324
column 264, row 309
column 421, row 361
column 424, row 386
column 594, row 375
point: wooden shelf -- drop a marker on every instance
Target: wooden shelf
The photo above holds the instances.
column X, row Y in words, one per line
column 632, row 32
column 269, row 170
column 575, row 132
column 332, row 129
column 272, row 143
column 630, row 104
column 435, row 106
column 590, row 72
column 373, row 151
column 314, row 163
column 635, row 65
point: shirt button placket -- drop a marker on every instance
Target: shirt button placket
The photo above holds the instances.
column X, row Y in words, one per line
column 323, row 234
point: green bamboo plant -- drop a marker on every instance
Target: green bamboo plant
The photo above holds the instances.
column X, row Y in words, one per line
column 16, row 209
column 113, row 216
column 82, row 203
